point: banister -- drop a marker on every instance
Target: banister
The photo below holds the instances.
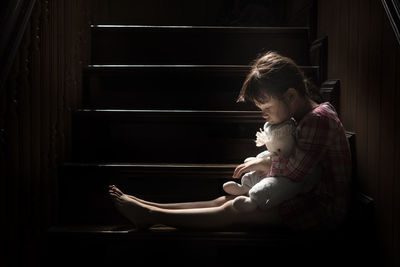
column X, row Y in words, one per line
column 9, row 16
column 14, row 23
column 392, row 8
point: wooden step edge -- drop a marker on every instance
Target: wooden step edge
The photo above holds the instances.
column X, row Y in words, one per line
column 198, row 28
column 166, row 232
column 163, row 67
column 152, row 165
column 178, row 67
column 183, row 115
column 181, row 112
column 213, row 171
column 91, row 229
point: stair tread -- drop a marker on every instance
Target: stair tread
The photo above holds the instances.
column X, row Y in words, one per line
column 171, row 111
column 164, row 135
column 98, row 229
column 169, row 86
column 220, row 171
column 174, row 113
column 264, row 236
column 241, row 70
column 194, row 28
column 140, row 114
column 179, row 115
column 163, row 66
column 129, row 44
column 163, row 231
column 152, row 165
column 173, row 66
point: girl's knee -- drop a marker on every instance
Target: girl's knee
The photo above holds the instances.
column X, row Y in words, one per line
column 228, row 206
column 222, row 200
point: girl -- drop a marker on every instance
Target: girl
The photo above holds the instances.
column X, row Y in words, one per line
column 276, row 86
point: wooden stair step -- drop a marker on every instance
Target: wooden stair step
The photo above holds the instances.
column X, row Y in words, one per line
column 83, row 188
column 205, row 87
column 186, row 136
column 113, row 230
column 136, row 44
column 200, row 248
column 250, row 236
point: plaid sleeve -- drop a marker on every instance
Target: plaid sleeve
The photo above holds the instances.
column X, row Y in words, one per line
column 312, row 141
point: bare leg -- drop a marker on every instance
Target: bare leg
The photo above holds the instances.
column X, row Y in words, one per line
column 184, row 205
column 144, row 216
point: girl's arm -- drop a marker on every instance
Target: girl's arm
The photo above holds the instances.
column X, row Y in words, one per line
column 313, row 139
column 261, row 165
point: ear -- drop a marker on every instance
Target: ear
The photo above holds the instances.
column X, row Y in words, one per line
column 291, row 95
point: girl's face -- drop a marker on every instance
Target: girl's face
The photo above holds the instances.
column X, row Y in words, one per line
column 274, row 110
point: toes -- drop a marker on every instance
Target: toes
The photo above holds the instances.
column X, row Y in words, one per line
column 118, row 191
column 115, row 192
column 111, row 192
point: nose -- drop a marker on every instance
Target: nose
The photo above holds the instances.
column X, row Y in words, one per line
column 265, row 115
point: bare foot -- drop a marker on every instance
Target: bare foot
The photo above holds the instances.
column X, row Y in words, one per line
column 131, row 209
column 117, row 190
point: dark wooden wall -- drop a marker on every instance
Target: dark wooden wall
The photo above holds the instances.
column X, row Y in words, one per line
column 35, row 105
column 365, row 55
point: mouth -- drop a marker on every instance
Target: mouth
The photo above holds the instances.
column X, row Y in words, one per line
column 268, row 119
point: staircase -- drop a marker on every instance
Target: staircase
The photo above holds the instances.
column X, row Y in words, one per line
column 159, row 120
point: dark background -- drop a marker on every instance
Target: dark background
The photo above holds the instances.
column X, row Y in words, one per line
column 44, row 87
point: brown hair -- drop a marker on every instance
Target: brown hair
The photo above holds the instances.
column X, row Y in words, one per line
column 271, row 75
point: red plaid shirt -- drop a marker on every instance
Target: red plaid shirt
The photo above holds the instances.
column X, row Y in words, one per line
column 320, row 138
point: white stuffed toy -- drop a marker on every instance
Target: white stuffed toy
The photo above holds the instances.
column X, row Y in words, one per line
column 255, row 191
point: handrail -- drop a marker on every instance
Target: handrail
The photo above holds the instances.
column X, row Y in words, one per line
column 9, row 16
column 14, row 26
column 392, row 8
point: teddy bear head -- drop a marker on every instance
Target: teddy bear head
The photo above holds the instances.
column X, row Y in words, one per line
column 278, row 138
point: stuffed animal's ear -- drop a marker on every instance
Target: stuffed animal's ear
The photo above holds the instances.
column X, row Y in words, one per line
column 249, row 159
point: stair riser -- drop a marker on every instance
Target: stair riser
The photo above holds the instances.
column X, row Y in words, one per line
column 165, row 89
column 84, row 199
column 193, row 45
column 168, row 88
column 113, row 137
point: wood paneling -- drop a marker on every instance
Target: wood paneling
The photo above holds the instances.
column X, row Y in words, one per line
column 35, row 108
column 365, row 56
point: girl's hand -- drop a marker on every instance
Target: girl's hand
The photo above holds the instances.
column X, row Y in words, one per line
column 261, row 165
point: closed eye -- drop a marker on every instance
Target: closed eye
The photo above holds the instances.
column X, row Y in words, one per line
column 265, row 111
